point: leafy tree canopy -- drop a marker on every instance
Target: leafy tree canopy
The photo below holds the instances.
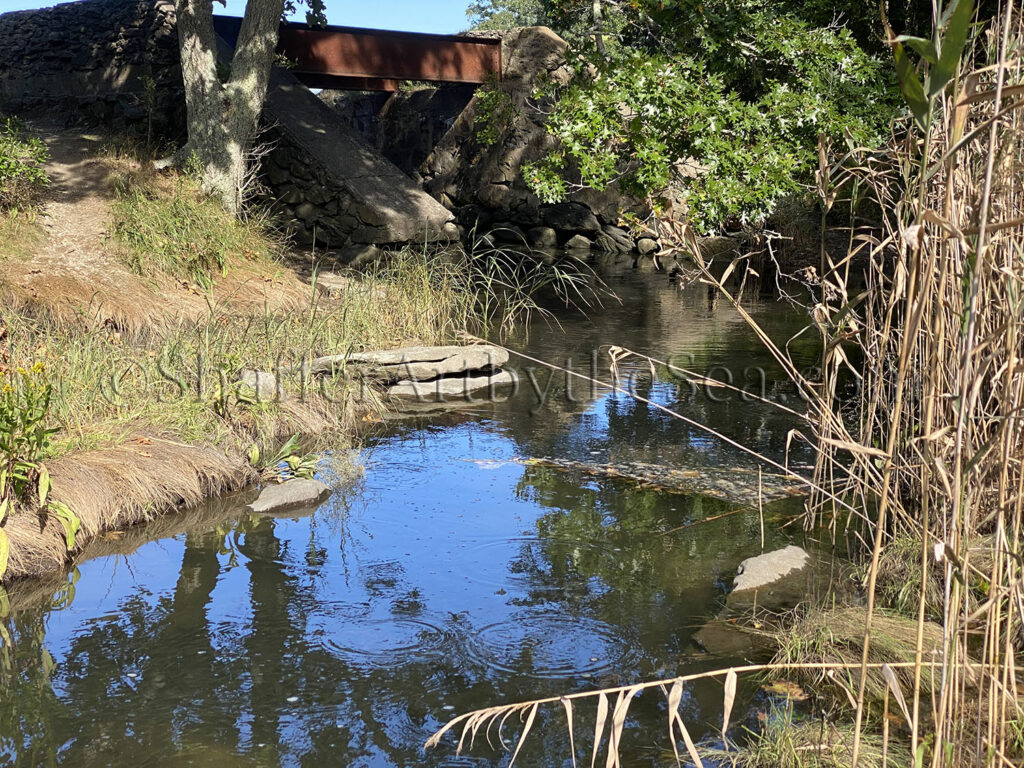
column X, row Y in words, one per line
column 722, row 100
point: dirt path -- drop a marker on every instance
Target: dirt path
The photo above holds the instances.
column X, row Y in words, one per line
column 75, row 275
column 77, row 209
column 71, row 273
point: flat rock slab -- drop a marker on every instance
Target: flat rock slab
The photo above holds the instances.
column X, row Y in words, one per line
column 721, row 637
column 260, row 383
column 455, row 389
column 291, row 495
column 416, row 363
column 769, row 568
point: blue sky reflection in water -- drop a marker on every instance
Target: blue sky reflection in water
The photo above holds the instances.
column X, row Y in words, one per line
column 448, row 579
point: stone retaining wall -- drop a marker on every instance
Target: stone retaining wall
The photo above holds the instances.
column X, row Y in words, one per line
column 92, row 60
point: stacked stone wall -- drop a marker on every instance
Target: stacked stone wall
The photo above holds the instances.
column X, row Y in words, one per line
column 94, row 60
column 312, row 204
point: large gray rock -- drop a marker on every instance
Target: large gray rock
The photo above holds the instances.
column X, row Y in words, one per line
column 621, row 237
column 579, row 243
column 542, row 237
column 572, row 217
column 646, row 245
column 459, row 388
column 416, row 363
column 769, row 568
column 292, row 495
column 259, row 383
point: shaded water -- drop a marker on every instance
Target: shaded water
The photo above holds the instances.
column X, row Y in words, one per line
column 448, row 578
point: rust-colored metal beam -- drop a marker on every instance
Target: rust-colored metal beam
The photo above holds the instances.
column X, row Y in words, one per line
column 348, row 58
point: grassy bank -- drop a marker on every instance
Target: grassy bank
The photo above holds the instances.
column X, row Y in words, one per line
column 110, row 418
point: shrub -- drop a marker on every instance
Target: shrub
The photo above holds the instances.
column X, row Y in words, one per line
column 21, row 178
column 723, row 113
column 24, row 443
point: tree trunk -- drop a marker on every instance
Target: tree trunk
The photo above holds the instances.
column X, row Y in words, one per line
column 223, row 111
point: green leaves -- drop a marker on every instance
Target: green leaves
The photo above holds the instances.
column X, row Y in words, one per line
column 730, row 123
column 5, row 551
column 68, row 520
column 44, row 484
column 941, row 55
column 954, row 36
column 913, row 92
column 21, row 177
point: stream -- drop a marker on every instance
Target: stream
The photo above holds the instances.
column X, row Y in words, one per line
column 447, row 577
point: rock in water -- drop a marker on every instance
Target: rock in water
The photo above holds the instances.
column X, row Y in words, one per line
column 769, row 568
column 294, row 494
column 579, row 242
column 453, row 389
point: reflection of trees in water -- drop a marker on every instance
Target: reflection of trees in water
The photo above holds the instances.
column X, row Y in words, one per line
column 612, row 550
column 187, row 677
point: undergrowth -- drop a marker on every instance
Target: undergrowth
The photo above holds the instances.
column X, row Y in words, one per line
column 165, row 224
column 787, row 740
column 22, row 180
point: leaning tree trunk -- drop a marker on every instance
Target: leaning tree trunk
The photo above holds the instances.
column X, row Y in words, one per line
column 224, row 103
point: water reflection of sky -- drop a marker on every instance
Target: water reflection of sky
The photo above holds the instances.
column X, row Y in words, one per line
column 451, row 578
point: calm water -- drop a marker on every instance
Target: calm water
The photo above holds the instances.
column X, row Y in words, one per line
column 448, row 578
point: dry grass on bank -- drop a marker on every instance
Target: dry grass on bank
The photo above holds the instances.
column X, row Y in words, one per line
column 834, row 638
column 141, row 338
column 117, row 487
column 155, row 421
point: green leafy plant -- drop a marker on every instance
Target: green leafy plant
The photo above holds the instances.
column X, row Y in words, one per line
column 719, row 112
column 21, row 178
column 495, row 113
column 286, row 463
column 24, row 443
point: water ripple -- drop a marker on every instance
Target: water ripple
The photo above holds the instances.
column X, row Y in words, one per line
column 551, row 646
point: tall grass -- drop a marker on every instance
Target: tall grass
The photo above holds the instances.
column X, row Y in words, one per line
column 165, row 224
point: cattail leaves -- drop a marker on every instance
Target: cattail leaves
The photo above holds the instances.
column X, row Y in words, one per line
column 942, row 56
column 956, row 23
column 675, row 695
column 526, row 730
column 568, row 724
column 602, row 715
column 910, row 85
column 894, row 686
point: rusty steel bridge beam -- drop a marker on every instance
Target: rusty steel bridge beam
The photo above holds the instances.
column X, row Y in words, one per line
column 349, row 58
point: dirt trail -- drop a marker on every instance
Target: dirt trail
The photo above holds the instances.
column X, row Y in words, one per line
column 75, row 275
column 71, row 274
column 77, row 208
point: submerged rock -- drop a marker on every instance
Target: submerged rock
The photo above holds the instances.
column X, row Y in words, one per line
column 723, row 637
column 646, row 245
column 294, row 494
column 774, row 581
column 579, row 242
column 769, row 568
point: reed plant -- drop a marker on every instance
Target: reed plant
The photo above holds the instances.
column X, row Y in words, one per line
column 921, row 316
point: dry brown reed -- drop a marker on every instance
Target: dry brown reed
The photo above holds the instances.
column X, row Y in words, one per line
column 930, row 449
